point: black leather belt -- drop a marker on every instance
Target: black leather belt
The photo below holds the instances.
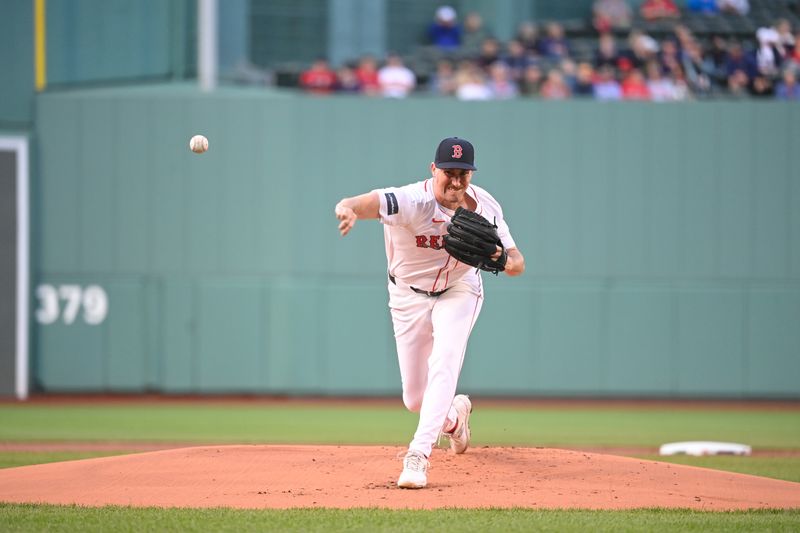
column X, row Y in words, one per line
column 420, row 291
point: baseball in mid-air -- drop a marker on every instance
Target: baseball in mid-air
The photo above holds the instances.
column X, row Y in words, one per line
column 198, row 144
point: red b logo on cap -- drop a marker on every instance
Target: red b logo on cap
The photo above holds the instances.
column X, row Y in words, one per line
column 457, row 151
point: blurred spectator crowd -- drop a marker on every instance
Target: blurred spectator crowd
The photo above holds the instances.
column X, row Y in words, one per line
column 620, row 61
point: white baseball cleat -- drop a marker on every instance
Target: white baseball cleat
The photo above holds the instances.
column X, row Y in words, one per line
column 414, row 474
column 459, row 439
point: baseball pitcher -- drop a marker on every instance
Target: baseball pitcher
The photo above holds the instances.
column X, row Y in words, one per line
column 439, row 234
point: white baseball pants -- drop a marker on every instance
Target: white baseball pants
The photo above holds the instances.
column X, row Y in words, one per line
column 431, row 335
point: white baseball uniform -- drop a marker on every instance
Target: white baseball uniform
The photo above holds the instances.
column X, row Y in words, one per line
column 431, row 330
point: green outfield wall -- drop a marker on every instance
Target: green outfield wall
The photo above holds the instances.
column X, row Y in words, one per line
column 662, row 242
column 16, row 65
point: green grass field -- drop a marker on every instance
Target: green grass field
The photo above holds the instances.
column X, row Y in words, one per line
column 581, row 426
column 123, row 519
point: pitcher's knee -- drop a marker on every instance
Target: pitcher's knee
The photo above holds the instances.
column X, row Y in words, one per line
column 413, row 404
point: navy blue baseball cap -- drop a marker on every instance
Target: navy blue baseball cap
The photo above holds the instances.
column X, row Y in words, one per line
column 455, row 153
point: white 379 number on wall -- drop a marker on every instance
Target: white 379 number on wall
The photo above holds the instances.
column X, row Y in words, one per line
column 67, row 301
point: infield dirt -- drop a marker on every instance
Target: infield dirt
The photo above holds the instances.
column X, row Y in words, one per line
column 269, row 476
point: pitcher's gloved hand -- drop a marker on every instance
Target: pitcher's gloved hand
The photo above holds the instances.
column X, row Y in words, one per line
column 473, row 240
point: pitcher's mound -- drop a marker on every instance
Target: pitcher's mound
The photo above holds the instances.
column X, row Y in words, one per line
column 365, row 476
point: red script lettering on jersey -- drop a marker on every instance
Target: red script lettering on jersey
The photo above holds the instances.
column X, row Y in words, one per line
column 457, row 151
column 432, row 241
